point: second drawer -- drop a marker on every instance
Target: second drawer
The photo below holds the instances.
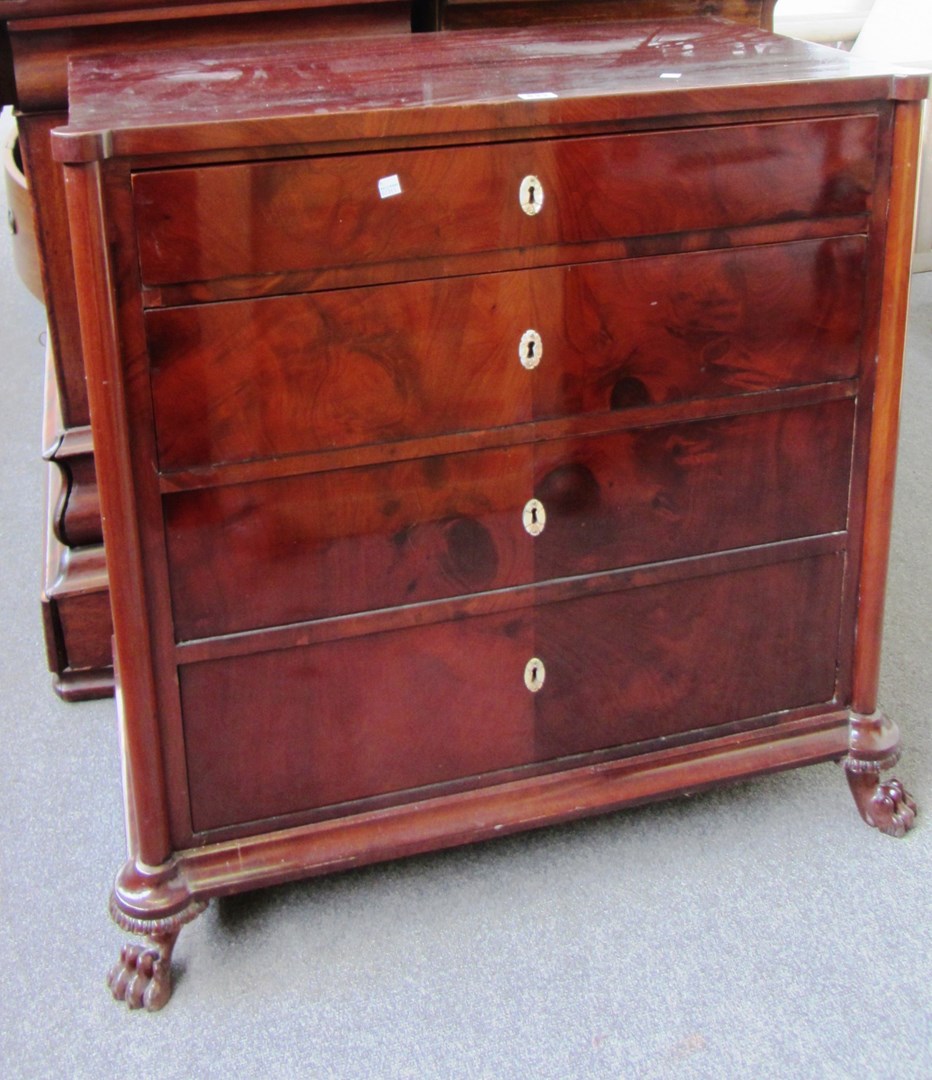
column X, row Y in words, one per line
column 252, row 379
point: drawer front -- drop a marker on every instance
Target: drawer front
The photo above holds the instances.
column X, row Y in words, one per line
column 671, row 492
column 302, row 729
column 333, row 543
column 238, row 381
column 308, row 547
column 668, row 659
column 203, row 224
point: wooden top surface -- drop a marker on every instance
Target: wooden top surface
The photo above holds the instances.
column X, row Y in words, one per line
column 448, row 83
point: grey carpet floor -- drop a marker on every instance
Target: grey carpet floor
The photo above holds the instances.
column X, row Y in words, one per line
column 758, row 931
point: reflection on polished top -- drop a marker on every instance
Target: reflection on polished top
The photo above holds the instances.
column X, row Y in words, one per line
column 518, row 76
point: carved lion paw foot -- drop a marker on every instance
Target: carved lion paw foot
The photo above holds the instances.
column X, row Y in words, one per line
column 892, row 810
column 141, row 977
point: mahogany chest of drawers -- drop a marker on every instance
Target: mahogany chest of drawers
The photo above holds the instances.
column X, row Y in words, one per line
column 488, row 435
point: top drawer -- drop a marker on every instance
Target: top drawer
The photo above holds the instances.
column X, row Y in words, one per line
column 311, row 214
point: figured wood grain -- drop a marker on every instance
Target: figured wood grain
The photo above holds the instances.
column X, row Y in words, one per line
column 242, row 381
column 667, row 493
column 338, row 542
column 414, row 708
column 659, row 661
column 237, row 382
column 316, row 213
column 281, row 715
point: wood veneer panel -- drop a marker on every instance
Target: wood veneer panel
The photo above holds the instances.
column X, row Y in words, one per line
column 282, row 732
column 245, row 380
column 655, row 662
column 338, row 542
column 348, row 541
column 286, row 216
column 671, row 492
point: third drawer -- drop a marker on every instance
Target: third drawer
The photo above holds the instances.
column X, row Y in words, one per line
column 290, row 549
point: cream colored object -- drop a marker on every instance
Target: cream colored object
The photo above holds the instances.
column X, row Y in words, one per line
column 821, row 20
column 901, row 31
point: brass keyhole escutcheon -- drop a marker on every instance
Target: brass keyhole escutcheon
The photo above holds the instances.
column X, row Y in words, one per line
column 531, row 195
column 534, row 674
column 534, row 517
column 530, row 349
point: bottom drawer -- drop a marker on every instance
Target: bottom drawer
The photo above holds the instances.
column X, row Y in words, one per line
column 299, row 730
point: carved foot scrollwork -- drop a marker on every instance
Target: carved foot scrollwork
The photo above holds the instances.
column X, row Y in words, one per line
column 142, row 975
column 874, row 747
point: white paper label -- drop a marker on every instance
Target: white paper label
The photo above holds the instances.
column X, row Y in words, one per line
column 539, row 96
column 389, row 186
column 672, row 75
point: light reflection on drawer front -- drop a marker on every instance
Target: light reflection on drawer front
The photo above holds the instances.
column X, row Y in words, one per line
column 245, row 380
column 273, row 218
column 309, row 547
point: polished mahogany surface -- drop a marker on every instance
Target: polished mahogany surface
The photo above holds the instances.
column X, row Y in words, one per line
column 332, row 543
column 293, row 374
column 594, row 189
column 636, row 665
column 36, row 43
column 469, row 454
column 504, row 79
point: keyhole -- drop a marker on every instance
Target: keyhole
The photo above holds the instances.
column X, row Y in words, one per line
column 530, row 349
column 534, row 674
column 531, row 195
column 535, row 517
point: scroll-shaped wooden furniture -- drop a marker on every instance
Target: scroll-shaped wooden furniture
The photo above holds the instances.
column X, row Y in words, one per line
column 491, row 430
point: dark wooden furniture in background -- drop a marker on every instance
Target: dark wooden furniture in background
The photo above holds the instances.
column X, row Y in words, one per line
column 492, row 429
column 37, row 37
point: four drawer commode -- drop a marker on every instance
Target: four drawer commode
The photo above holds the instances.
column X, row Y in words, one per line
column 483, row 444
